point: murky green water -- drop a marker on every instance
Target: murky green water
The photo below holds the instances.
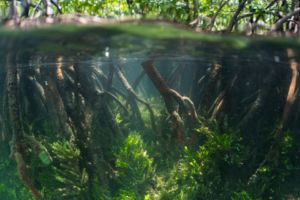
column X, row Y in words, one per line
column 106, row 113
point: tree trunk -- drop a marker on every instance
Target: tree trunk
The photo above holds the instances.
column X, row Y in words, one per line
column 12, row 9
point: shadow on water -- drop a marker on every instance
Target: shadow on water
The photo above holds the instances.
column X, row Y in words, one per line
column 71, row 96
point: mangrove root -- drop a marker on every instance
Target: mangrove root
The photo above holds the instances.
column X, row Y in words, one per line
column 169, row 95
column 273, row 154
column 21, row 167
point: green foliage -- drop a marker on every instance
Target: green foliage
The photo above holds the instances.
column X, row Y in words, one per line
column 243, row 195
column 99, row 190
column 184, row 11
column 125, row 194
column 205, row 172
column 181, row 181
column 279, row 165
column 118, row 119
column 225, row 147
column 95, row 7
column 63, row 179
column 201, row 173
column 134, row 167
column 11, row 187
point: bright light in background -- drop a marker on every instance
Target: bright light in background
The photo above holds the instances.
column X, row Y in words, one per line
column 106, row 52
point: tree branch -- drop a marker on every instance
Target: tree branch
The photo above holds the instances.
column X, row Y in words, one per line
column 234, row 19
column 279, row 23
column 214, row 17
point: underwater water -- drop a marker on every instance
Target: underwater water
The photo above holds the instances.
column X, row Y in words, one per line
column 144, row 111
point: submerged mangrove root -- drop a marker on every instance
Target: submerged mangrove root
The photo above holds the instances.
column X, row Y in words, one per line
column 272, row 156
column 169, row 95
column 21, row 167
column 113, row 97
column 216, row 106
column 292, row 87
column 186, row 101
column 110, row 78
column 259, row 100
column 79, row 123
column 208, row 83
column 256, row 104
column 221, row 101
column 15, row 118
column 59, row 73
column 133, row 95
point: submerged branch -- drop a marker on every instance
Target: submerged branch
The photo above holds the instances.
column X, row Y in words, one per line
column 112, row 96
column 131, row 96
column 216, row 106
column 169, row 95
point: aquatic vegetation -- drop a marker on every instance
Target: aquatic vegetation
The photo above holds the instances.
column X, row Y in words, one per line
column 65, row 180
column 11, row 187
column 202, row 173
column 134, row 167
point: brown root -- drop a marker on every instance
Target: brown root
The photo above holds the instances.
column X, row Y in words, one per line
column 292, row 87
column 169, row 95
column 59, row 73
column 131, row 96
column 21, row 168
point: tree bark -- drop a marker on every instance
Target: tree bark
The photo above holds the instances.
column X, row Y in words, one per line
column 234, row 19
column 292, row 88
column 164, row 90
column 131, row 98
column 170, row 96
